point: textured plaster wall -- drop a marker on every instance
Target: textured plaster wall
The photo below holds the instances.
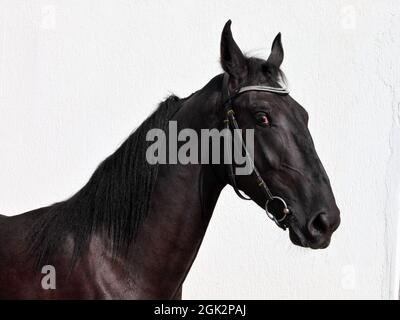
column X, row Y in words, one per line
column 76, row 77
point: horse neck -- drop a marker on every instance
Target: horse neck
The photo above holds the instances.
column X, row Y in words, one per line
column 182, row 203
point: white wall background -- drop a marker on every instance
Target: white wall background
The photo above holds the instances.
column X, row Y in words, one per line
column 76, row 77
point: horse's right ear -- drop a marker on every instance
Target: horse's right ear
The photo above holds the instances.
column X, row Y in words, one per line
column 232, row 59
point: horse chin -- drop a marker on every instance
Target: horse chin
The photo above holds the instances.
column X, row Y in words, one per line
column 321, row 245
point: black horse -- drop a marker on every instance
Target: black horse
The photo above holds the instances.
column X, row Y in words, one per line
column 133, row 231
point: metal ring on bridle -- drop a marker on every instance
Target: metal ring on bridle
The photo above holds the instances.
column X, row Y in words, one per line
column 285, row 210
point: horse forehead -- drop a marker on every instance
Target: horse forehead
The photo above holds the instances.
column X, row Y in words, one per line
column 263, row 98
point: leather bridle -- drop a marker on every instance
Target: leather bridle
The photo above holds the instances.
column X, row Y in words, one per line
column 275, row 207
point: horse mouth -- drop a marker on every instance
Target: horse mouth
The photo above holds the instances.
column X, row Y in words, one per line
column 299, row 239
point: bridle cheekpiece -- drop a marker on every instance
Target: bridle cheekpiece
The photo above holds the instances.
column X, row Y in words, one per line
column 275, row 207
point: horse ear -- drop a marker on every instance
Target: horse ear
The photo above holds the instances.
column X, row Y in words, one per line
column 276, row 56
column 232, row 59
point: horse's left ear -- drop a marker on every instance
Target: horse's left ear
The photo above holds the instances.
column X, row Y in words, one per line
column 276, row 56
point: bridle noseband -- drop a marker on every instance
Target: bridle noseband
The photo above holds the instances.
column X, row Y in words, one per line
column 275, row 207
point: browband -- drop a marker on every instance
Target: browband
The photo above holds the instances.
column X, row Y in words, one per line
column 279, row 90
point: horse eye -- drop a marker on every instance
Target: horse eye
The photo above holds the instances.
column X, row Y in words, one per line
column 262, row 119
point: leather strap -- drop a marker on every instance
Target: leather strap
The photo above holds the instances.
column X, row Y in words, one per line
column 231, row 123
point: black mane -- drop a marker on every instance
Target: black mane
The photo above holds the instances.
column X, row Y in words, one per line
column 116, row 198
column 114, row 201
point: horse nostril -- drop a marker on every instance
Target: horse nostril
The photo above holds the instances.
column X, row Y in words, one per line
column 319, row 224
